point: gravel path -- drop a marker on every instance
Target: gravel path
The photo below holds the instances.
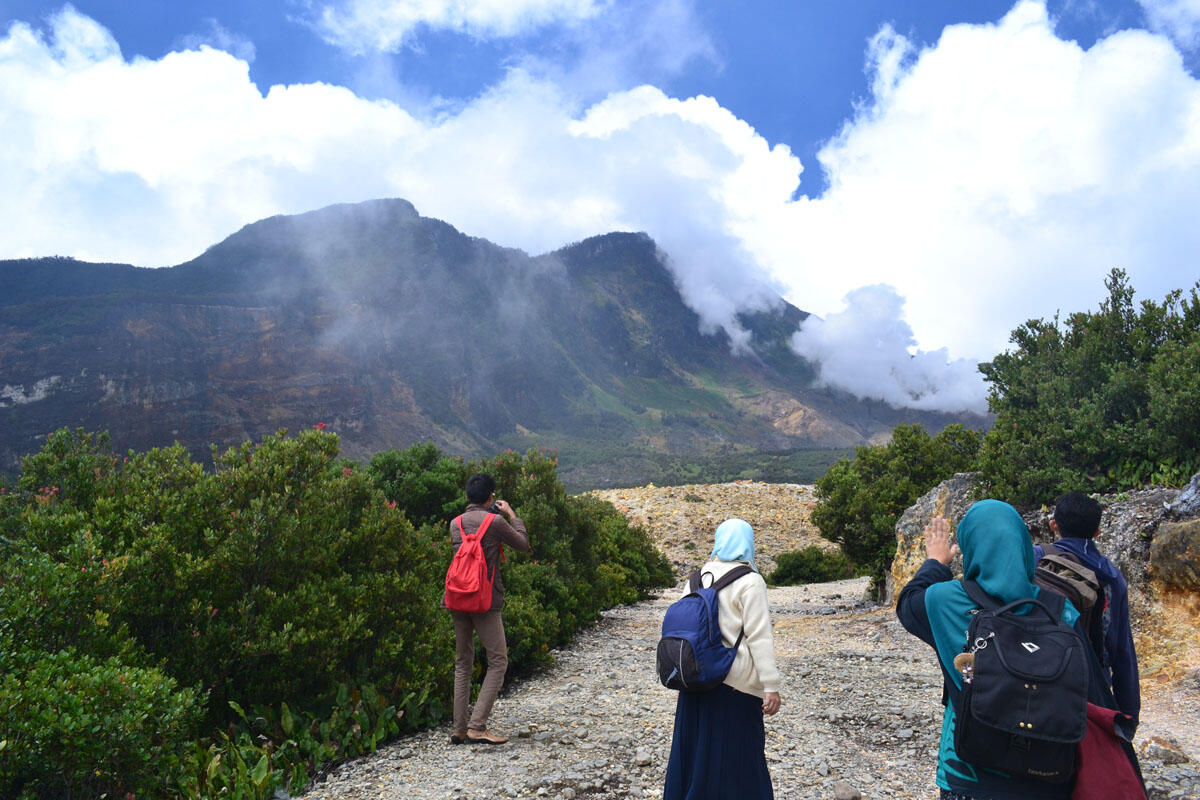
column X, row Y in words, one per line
column 860, row 708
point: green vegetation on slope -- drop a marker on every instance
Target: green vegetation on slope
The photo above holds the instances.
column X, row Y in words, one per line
column 1106, row 401
column 167, row 631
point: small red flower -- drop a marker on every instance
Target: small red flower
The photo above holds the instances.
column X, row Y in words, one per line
column 390, row 503
column 320, row 426
column 347, row 471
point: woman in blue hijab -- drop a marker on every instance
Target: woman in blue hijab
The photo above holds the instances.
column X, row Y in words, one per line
column 718, row 749
column 998, row 555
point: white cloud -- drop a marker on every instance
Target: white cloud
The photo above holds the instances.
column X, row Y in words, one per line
column 627, row 45
column 865, row 350
column 998, row 176
column 361, row 26
column 1179, row 19
column 218, row 37
column 994, row 177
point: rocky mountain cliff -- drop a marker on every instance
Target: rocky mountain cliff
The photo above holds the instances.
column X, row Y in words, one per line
column 393, row 328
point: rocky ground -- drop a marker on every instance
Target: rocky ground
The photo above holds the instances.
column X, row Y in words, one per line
column 860, row 712
column 681, row 519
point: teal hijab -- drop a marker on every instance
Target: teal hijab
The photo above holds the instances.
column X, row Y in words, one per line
column 734, row 541
column 998, row 555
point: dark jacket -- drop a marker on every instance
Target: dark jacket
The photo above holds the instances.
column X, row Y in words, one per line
column 1120, row 659
column 500, row 531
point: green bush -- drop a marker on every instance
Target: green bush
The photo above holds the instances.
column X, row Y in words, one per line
column 426, row 484
column 75, row 726
column 810, row 565
column 275, row 579
column 1103, row 402
column 286, row 581
column 860, row 500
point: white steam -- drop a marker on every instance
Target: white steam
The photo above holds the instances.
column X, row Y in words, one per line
column 869, row 350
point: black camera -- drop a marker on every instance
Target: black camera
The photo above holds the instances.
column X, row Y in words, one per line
column 495, row 509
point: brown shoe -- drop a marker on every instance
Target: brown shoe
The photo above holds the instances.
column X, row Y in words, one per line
column 458, row 737
column 483, row 737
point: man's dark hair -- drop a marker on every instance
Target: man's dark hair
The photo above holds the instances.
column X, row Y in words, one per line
column 1077, row 515
column 480, row 487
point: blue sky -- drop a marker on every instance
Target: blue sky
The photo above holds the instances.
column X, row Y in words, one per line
column 924, row 176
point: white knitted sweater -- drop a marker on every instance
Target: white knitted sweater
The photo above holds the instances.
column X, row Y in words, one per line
column 744, row 607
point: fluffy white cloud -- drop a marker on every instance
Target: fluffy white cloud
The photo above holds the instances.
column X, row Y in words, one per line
column 1179, row 19
column 151, row 161
column 865, row 349
column 998, row 176
column 364, row 25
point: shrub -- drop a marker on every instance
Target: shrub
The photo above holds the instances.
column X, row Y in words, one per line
column 75, row 726
column 427, row 485
column 278, row 577
column 284, row 582
column 810, row 565
column 1103, row 402
column 860, row 500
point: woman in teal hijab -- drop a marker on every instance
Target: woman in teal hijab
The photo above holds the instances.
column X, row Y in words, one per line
column 998, row 555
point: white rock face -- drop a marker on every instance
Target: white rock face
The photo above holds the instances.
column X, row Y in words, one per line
column 18, row 396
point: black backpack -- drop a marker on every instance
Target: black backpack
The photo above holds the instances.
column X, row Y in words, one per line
column 1023, row 706
column 1061, row 571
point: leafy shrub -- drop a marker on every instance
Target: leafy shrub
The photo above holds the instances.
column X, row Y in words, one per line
column 1102, row 403
column 860, row 500
column 275, row 579
column 810, row 565
column 75, row 726
column 425, row 483
column 286, row 582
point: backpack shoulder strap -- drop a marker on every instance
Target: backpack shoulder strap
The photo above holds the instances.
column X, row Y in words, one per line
column 483, row 526
column 1053, row 601
column 480, row 531
column 731, row 576
column 976, row 593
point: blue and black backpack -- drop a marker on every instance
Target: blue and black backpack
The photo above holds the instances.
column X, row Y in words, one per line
column 691, row 655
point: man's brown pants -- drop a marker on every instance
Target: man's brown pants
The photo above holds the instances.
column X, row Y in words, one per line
column 490, row 628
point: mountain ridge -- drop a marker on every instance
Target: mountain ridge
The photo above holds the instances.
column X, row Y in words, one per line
column 393, row 328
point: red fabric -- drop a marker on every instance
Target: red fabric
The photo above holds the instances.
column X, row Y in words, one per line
column 468, row 584
column 1103, row 770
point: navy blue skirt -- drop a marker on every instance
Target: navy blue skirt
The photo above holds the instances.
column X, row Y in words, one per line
column 718, row 748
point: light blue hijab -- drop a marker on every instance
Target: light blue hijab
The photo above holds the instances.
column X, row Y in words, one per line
column 734, row 542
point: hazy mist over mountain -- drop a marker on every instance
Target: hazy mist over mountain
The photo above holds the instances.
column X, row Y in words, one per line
column 393, row 329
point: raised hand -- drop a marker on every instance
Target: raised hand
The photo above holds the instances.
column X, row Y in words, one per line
column 937, row 540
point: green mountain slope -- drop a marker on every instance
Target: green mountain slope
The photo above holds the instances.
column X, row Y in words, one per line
column 394, row 328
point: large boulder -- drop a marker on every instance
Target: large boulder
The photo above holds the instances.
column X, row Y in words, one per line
column 1175, row 555
column 1147, row 534
column 950, row 499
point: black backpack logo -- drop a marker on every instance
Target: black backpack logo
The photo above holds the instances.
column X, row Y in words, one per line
column 1023, row 705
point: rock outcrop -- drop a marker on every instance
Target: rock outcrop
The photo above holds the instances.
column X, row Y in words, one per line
column 1175, row 555
column 949, row 499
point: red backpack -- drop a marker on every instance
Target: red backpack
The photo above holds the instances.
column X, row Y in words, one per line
column 468, row 584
